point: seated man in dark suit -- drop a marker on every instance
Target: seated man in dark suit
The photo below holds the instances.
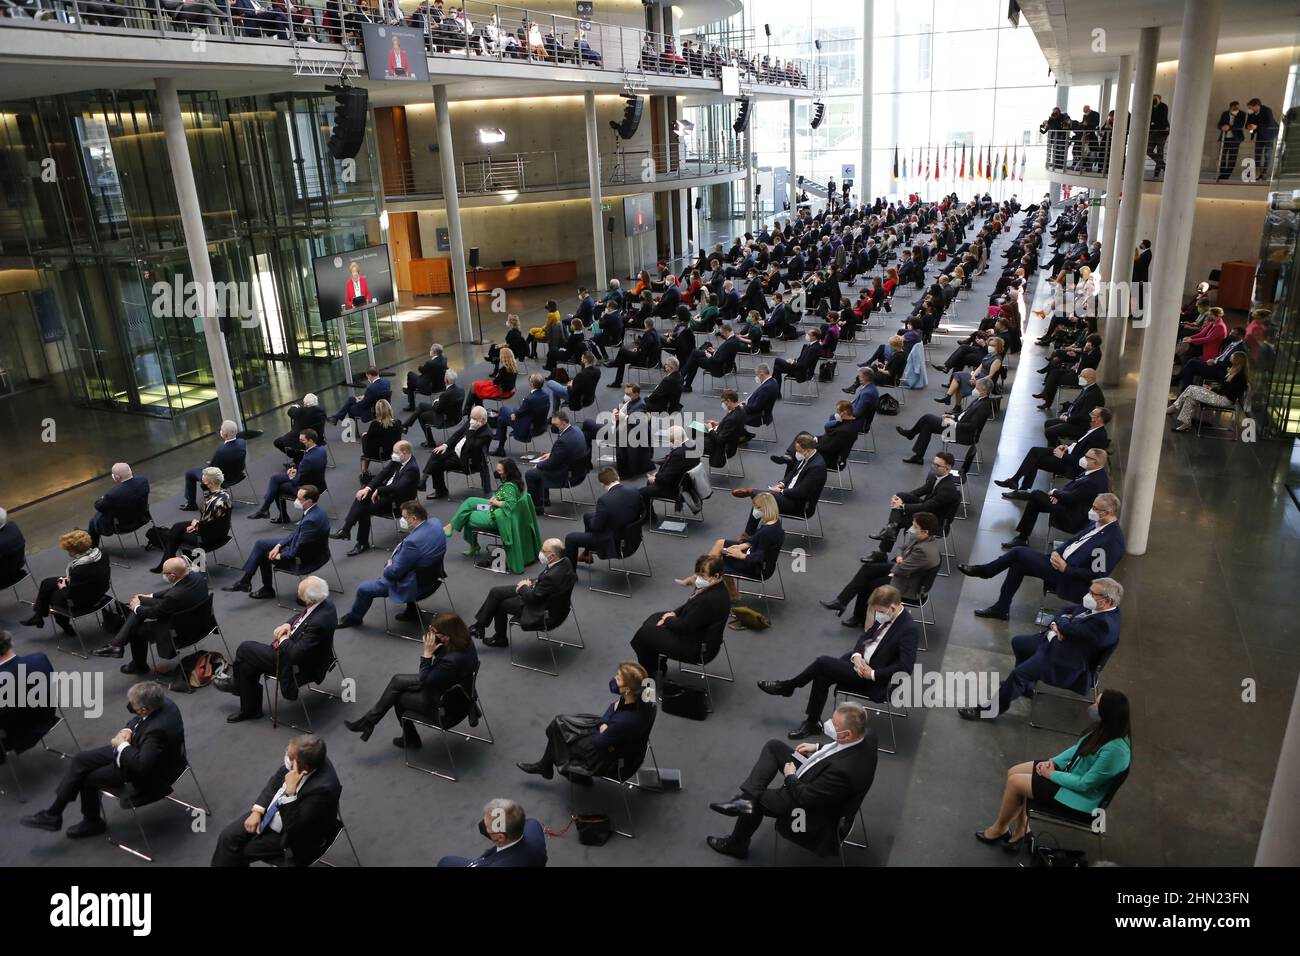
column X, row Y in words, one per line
column 964, row 428
column 305, row 548
column 146, row 755
column 907, row 572
column 302, row 645
column 760, row 402
column 1073, row 421
column 229, row 457
column 716, row 361
column 618, row 506
column 528, row 419
column 797, row 492
column 149, row 620
column 465, row 451
column 531, row 601
column 446, row 409
column 125, row 505
column 516, row 840
column 566, row 462
column 383, row 496
column 362, row 407
column 1064, row 655
column 1067, row 506
column 1063, row 459
column 836, row 440
column 13, row 551
column 307, row 415
column 665, row 481
column 937, row 496
column 294, row 818
column 805, row 366
column 722, row 439
column 1067, row 569
column 428, row 379
column 21, row 723
column 819, row 784
column 667, row 395
column 887, row 647
column 309, row 471
column 647, row 353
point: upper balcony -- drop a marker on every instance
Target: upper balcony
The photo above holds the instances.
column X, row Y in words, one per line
column 490, row 51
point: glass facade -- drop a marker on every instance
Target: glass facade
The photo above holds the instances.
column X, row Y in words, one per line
column 93, row 285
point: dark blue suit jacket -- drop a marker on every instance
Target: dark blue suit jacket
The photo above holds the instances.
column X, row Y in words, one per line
column 530, row 851
column 422, row 548
column 364, row 410
column 1079, row 572
column 1068, row 663
column 13, row 550
column 531, row 414
column 586, row 310
column 568, row 457
column 761, row 401
column 1075, row 497
column 865, row 399
column 311, row 470
column 615, row 510
column 24, row 725
column 310, row 539
column 230, row 457
column 127, row 503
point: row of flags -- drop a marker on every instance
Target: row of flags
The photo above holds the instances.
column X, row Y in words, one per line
column 931, row 162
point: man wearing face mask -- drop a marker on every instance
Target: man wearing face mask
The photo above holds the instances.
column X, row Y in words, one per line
column 1067, row 569
column 1073, row 421
column 887, row 647
column 149, row 619
column 1065, row 459
column 1065, row 654
column 307, row 547
column 1068, row 506
column 302, row 646
column 938, row 495
column 148, row 753
column 760, row 402
column 382, row 495
column 805, row 366
column 464, row 451
column 797, row 492
column 125, row 505
column 532, row 601
column 564, row 466
column 667, row 395
column 722, row 440
column 819, row 785
column 617, row 508
column 919, row 554
column 516, row 840
column 295, row 816
column 1262, row 125
column 412, row 568
column 1232, row 130
column 836, row 441
column 310, row 470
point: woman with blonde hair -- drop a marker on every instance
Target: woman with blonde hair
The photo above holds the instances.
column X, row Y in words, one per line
column 757, row 544
column 1223, row 394
column 501, row 385
column 86, row 580
column 385, row 431
column 962, row 382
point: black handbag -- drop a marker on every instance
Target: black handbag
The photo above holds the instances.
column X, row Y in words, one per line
column 681, row 701
column 887, row 405
column 594, row 829
column 1045, row 851
column 826, row 371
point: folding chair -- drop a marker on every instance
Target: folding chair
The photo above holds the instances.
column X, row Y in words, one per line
column 543, row 634
column 325, row 848
column 771, row 565
column 304, row 685
column 13, row 583
column 922, row 604
column 632, row 776
column 134, row 530
column 1096, row 826
column 302, row 573
column 633, row 540
column 1042, row 690
column 438, row 722
column 705, row 658
column 12, row 753
column 74, row 615
column 844, row 828
column 133, row 801
column 574, row 481
column 428, row 581
column 189, row 629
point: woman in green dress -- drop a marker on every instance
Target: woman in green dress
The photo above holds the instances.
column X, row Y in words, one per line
column 509, row 513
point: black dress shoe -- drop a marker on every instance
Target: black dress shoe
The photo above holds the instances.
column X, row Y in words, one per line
column 809, row 728
column 262, row 594
column 738, row 806
column 241, row 585
column 259, row 515
column 1008, row 483
column 972, row 713
column 970, row 570
column 476, row 631
column 992, row 841
column 156, row 569
column 401, row 743
column 903, row 431
column 280, row 520
column 538, row 769
column 34, row 621
column 88, row 827
column 43, row 820
column 360, row 726
column 853, row 622
column 407, row 614
column 1016, row 495
column 779, row 459
column 850, row 390
column 728, row 847
column 133, row 668
column 341, row 535
column 239, row 716
column 1016, row 542
column 347, row 620
column 358, row 549
column 109, row 650
column 914, row 460
column 495, row 641
column 837, row 606
column 992, row 613
column 777, row 688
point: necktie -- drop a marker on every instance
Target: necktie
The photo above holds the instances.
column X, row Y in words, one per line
column 267, row 817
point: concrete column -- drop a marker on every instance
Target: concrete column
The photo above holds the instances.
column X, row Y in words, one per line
column 749, row 168
column 196, row 244
column 447, row 160
column 1110, row 255
column 1103, row 104
column 1190, row 107
column 593, row 187
column 868, row 49
column 1279, row 839
column 1062, row 101
column 1121, row 269
column 792, row 178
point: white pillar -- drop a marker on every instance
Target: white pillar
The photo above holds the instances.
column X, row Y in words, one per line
column 749, row 168
column 792, row 180
column 196, row 245
column 864, row 168
column 1114, row 176
column 593, row 187
column 1062, row 101
column 447, row 159
column 1144, row 83
column 1190, row 108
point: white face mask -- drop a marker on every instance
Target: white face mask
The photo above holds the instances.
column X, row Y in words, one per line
column 541, row 556
column 757, row 380
column 701, row 583
column 1084, row 463
column 828, row 728
column 396, row 457
column 404, row 524
column 1094, row 515
column 758, row 515
column 297, row 503
column 882, row 617
column 1090, row 602
column 990, row 350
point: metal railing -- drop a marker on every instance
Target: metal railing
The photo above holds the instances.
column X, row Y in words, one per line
column 1087, row 153
column 475, row 30
column 546, row 169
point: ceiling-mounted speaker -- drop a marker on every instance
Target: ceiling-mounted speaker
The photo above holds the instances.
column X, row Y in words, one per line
column 819, row 111
column 818, row 45
column 349, row 132
column 742, row 118
column 767, row 28
column 699, row 202
column 632, row 109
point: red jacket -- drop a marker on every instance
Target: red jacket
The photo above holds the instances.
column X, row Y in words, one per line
column 1210, row 339
column 348, row 295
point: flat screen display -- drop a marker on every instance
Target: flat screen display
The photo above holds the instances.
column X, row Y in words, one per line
column 638, row 214
column 394, row 53
column 350, row 281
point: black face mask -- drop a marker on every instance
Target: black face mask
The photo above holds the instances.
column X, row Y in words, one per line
column 482, row 828
column 131, row 711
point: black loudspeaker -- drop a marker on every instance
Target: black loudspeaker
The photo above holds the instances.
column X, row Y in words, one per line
column 349, row 130
column 767, row 28
column 473, row 257
column 819, row 111
column 699, row 202
column 632, row 110
column 758, row 189
column 818, row 45
column 742, row 118
column 609, row 225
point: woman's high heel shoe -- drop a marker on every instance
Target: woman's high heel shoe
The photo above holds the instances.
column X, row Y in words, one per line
column 993, row 841
column 362, row 726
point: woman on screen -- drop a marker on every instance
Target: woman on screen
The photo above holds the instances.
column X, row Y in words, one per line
column 357, row 291
column 397, row 65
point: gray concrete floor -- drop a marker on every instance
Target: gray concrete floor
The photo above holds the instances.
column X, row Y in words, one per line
column 1206, row 607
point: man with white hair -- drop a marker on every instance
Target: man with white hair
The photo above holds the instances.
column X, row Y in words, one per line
column 125, row 505
column 13, row 552
column 445, row 410
column 517, row 841
column 465, row 451
column 428, row 380
column 666, row 481
column 302, row 647
column 310, row 414
column 530, row 600
column 230, row 457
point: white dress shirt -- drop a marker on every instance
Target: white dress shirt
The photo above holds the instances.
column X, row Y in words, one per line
column 823, row 752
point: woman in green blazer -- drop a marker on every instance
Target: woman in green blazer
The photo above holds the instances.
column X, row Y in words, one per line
column 509, row 513
column 1073, row 783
